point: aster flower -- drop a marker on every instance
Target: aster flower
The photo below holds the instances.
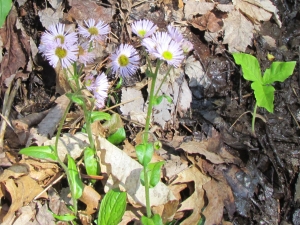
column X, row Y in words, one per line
column 100, row 88
column 58, row 53
column 175, row 33
column 94, row 31
column 156, row 39
column 125, row 60
column 168, row 50
column 84, row 55
column 88, row 82
column 186, row 46
column 56, row 35
column 143, row 28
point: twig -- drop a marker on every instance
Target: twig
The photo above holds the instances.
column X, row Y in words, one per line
column 7, row 103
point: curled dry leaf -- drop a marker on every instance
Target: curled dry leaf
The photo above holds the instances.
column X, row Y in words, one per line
column 210, row 21
column 91, row 199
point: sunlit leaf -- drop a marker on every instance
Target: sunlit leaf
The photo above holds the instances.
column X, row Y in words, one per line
column 117, row 137
column 74, row 179
column 278, row 71
column 112, row 208
column 5, row 6
column 153, row 172
column 154, row 220
column 98, row 116
column 40, row 152
column 91, row 163
column 144, row 153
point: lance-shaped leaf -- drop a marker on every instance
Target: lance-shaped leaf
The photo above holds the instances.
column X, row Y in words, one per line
column 75, row 182
column 91, row 163
column 112, row 208
column 153, row 172
column 40, row 152
column 98, row 115
column 117, row 137
column 144, row 153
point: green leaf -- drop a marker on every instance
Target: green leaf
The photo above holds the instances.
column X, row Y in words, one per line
column 153, row 172
column 91, row 163
column 117, row 137
column 66, row 217
column 119, row 84
column 74, row 179
column 154, row 220
column 278, row 71
column 98, row 116
column 250, row 66
column 77, row 99
column 112, row 208
column 264, row 95
column 144, row 153
column 113, row 124
column 40, row 152
column 158, row 100
column 5, row 6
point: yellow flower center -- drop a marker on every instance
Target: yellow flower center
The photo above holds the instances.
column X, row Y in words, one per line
column 61, row 38
column 167, row 55
column 60, row 52
column 142, row 33
column 123, row 60
column 93, row 31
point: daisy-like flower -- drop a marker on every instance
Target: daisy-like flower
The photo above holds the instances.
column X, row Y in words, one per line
column 169, row 51
column 56, row 35
column 100, row 88
column 156, row 39
column 143, row 28
column 84, row 55
column 175, row 33
column 89, row 81
column 186, row 46
column 58, row 53
column 125, row 60
column 94, row 31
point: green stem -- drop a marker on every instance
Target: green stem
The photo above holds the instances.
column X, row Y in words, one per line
column 65, row 168
column 87, row 117
column 253, row 118
column 146, row 134
column 165, row 77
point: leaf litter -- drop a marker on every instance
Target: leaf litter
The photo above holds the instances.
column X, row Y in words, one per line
column 214, row 173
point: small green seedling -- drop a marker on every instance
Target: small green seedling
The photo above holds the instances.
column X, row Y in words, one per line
column 5, row 6
column 262, row 85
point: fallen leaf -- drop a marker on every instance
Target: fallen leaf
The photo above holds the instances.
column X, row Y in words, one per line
column 91, row 199
column 197, row 7
column 196, row 201
column 219, row 195
column 51, row 15
column 208, row 21
column 238, row 32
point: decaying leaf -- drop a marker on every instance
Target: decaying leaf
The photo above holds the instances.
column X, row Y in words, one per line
column 196, row 201
column 208, row 21
column 91, row 198
column 238, row 31
column 197, row 7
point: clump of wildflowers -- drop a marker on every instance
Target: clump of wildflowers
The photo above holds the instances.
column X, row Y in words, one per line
column 94, row 31
column 174, row 33
column 84, row 54
column 143, row 28
column 125, row 60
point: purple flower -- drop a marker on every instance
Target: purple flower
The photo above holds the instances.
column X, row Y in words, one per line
column 175, row 33
column 58, row 53
column 56, row 36
column 94, row 31
column 100, row 88
column 84, row 55
column 161, row 46
column 143, row 28
column 125, row 60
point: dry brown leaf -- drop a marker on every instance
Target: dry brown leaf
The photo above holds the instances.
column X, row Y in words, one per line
column 238, row 32
column 166, row 211
column 209, row 22
column 17, row 44
column 219, row 195
column 91, row 199
column 19, row 193
column 15, row 171
column 194, row 7
column 83, row 10
column 256, row 13
column 196, row 201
